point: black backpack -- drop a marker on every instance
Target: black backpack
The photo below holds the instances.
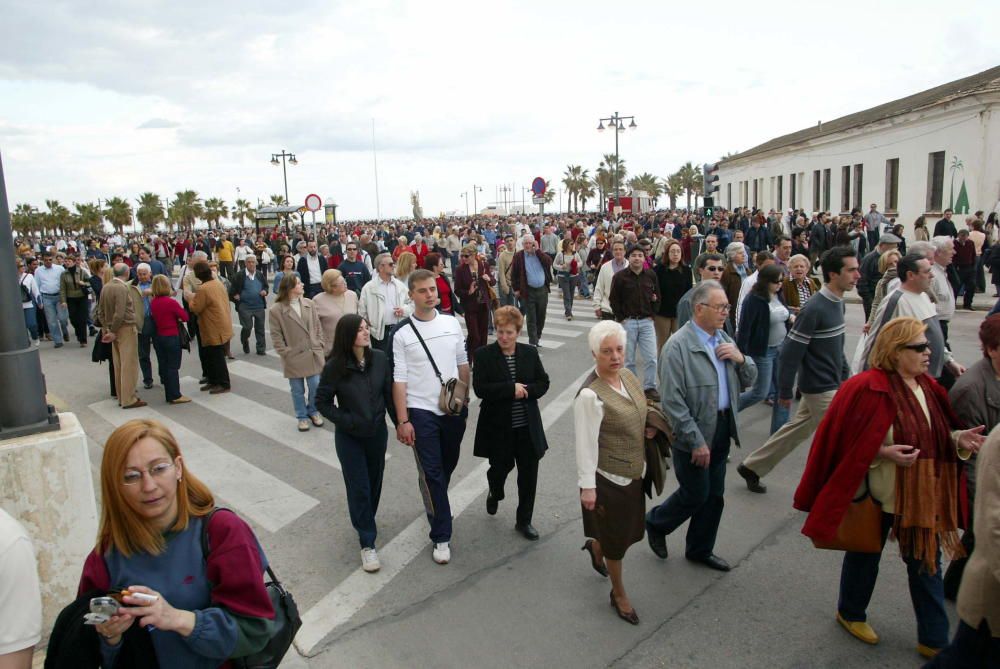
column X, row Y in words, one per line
column 25, row 292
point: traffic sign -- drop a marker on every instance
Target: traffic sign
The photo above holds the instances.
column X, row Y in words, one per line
column 538, row 199
column 538, row 186
column 314, row 202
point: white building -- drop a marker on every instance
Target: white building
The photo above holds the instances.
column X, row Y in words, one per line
column 918, row 155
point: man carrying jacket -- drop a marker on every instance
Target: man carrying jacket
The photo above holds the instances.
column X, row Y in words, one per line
column 249, row 292
column 530, row 275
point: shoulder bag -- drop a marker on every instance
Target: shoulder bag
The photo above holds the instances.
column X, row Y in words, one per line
column 183, row 335
column 860, row 531
column 286, row 615
column 454, row 392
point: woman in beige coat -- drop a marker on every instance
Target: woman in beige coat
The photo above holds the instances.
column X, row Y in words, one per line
column 298, row 338
column 215, row 326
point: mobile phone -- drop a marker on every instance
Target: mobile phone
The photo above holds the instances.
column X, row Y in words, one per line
column 101, row 610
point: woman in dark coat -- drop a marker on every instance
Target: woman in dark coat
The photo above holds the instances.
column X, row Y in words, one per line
column 472, row 281
column 509, row 378
column 360, row 380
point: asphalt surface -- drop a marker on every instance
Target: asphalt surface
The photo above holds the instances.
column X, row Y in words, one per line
column 504, row 601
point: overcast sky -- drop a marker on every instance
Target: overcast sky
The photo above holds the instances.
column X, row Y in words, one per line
column 99, row 99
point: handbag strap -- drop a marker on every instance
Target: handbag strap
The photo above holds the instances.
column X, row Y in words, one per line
column 205, row 546
column 427, row 351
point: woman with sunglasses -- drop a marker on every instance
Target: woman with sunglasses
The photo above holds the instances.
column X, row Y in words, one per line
column 907, row 457
column 472, row 282
column 153, row 516
column 764, row 321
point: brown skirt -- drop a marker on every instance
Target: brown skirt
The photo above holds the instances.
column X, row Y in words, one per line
column 618, row 519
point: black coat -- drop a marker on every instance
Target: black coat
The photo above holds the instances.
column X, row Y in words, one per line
column 74, row 645
column 362, row 397
column 303, row 269
column 755, row 325
column 491, row 381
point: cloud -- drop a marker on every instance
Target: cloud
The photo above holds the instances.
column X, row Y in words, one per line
column 156, row 123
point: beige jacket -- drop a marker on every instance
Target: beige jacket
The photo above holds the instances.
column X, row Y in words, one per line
column 297, row 339
column 979, row 596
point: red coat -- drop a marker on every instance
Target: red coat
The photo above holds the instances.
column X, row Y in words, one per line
column 846, row 443
column 420, row 251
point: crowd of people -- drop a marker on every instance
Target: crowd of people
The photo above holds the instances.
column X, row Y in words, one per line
column 699, row 319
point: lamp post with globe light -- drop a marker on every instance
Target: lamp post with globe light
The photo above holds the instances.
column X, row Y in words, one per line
column 616, row 123
column 292, row 160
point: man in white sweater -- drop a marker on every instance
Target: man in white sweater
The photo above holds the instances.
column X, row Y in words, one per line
column 602, row 287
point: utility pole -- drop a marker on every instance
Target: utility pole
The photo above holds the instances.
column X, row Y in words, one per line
column 23, row 411
column 291, row 159
column 616, row 123
column 475, row 205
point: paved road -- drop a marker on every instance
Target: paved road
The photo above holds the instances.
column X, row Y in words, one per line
column 504, row 601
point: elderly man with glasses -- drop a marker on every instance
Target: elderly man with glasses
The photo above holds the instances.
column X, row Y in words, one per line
column 530, row 276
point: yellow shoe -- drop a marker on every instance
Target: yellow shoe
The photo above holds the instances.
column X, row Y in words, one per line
column 927, row 651
column 859, row 630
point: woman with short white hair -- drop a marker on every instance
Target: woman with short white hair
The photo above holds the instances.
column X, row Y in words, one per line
column 609, row 415
column 733, row 275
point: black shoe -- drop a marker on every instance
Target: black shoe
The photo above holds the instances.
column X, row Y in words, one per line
column 246, row 348
column 598, row 566
column 712, row 561
column 657, row 541
column 147, row 384
column 261, row 353
column 753, row 481
column 492, row 503
column 203, row 380
column 527, row 531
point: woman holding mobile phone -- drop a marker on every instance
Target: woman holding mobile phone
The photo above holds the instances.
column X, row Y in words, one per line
column 207, row 608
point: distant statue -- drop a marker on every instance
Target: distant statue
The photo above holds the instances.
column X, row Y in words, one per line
column 418, row 211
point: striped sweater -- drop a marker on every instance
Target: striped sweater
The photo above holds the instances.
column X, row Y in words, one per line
column 814, row 348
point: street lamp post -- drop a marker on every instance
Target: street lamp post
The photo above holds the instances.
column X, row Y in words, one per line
column 291, row 160
column 475, row 189
column 23, row 410
column 617, row 123
column 465, row 196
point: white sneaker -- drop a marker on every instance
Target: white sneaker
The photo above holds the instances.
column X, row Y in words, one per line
column 369, row 560
column 442, row 553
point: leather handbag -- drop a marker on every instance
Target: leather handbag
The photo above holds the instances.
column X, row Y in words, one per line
column 286, row 616
column 860, row 531
column 494, row 300
column 454, row 392
column 183, row 335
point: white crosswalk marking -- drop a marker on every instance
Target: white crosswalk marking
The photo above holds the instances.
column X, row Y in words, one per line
column 260, row 374
column 265, row 499
column 560, row 332
column 275, row 425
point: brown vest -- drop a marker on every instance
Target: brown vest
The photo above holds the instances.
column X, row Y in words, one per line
column 621, row 439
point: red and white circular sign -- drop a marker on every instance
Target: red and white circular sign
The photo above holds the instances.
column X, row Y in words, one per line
column 314, row 202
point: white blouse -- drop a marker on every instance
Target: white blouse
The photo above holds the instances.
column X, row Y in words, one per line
column 588, row 412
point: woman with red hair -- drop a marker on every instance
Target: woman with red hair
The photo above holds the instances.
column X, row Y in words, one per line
column 153, row 514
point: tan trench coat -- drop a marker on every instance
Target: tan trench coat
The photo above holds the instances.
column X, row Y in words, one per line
column 298, row 340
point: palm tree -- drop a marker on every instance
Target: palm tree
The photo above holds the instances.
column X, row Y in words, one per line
column 278, row 200
column 25, row 219
column 150, row 212
column 550, row 193
column 58, row 217
column 648, row 183
column 604, row 180
column 586, row 192
column 691, row 176
column 673, row 188
column 956, row 165
column 215, row 208
column 572, row 178
column 118, row 211
column 242, row 210
column 186, row 209
column 88, row 218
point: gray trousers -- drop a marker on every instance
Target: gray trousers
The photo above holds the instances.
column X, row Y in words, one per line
column 535, row 301
column 252, row 318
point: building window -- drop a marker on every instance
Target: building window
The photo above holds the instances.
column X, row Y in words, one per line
column 859, row 178
column 780, row 193
column 935, row 181
column 892, row 186
column 845, row 189
column 792, row 191
column 826, row 189
column 729, row 196
column 816, row 189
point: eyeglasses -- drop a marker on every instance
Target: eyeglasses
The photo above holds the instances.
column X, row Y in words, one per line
column 352, row 248
column 713, row 268
column 919, row 348
column 134, row 476
column 721, row 308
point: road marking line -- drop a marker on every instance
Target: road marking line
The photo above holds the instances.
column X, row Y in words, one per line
column 559, row 332
column 341, row 604
column 275, row 425
column 260, row 374
column 265, row 499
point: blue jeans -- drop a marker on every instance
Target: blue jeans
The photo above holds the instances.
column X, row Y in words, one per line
column 568, row 284
column 304, row 408
column 641, row 335
column 168, row 358
column 581, row 279
column 857, row 582
column 363, row 463
column 56, row 316
column 762, row 386
column 437, row 447
column 31, row 322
